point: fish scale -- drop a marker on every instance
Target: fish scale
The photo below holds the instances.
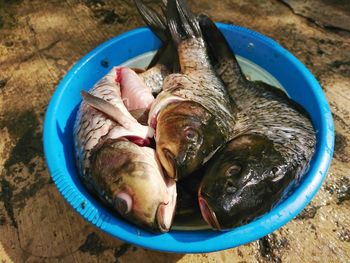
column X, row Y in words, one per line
column 86, row 134
column 263, row 111
column 271, row 146
column 112, row 153
column 200, row 84
column 193, row 115
column 154, row 77
column 290, row 130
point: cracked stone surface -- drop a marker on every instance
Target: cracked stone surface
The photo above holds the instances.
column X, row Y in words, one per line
column 41, row 40
column 326, row 13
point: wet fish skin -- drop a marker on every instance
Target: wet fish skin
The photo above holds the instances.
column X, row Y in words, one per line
column 130, row 179
column 228, row 69
column 154, row 77
column 186, row 129
column 197, row 83
column 262, row 109
column 250, row 175
column 269, row 152
column 112, row 154
column 92, row 125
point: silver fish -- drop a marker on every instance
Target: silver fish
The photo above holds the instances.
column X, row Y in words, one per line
column 112, row 151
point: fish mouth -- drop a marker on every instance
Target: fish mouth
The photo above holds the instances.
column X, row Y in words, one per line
column 165, row 211
column 169, row 163
column 208, row 214
column 175, row 167
column 163, row 220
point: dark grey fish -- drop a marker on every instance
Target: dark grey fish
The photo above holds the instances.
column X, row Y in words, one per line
column 272, row 143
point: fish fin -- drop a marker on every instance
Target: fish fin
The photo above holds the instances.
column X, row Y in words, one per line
column 218, row 47
column 163, row 6
column 182, row 23
column 157, row 57
column 154, row 20
column 108, row 109
column 164, row 3
column 166, row 56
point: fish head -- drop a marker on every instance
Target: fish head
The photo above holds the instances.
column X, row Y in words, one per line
column 185, row 137
column 243, row 181
column 131, row 180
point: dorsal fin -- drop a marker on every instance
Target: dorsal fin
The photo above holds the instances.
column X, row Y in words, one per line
column 167, row 54
column 154, row 20
column 182, row 23
column 218, row 47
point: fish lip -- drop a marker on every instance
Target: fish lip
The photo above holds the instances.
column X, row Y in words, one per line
column 164, row 220
column 161, row 222
column 171, row 162
column 208, row 214
column 160, row 219
column 178, row 169
column 202, row 193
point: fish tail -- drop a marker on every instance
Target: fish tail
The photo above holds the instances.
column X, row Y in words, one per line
column 166, row 56
column 218, row 47
column 157, row 22
column 181, row 21
column 154, row 20
column 215, row 40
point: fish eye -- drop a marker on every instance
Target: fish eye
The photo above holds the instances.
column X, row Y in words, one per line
column 274, row 170
column 230, row 187
column 277, row 173
column 123, row 203
column 191, row 134
column 233, row 170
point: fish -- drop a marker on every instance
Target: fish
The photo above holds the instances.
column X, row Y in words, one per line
column 131, row 179
column 256, row 146
column 164, row 62
column 193, row 113
column 270, row 149
column 243, row 181
column 154, row 77
column 113, row 153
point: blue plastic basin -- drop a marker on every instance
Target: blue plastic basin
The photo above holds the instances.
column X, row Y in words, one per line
column 59, row 152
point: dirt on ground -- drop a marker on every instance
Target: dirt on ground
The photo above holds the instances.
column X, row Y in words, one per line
column 39, row 43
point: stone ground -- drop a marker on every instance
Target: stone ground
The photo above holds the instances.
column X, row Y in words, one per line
column 40, row 41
